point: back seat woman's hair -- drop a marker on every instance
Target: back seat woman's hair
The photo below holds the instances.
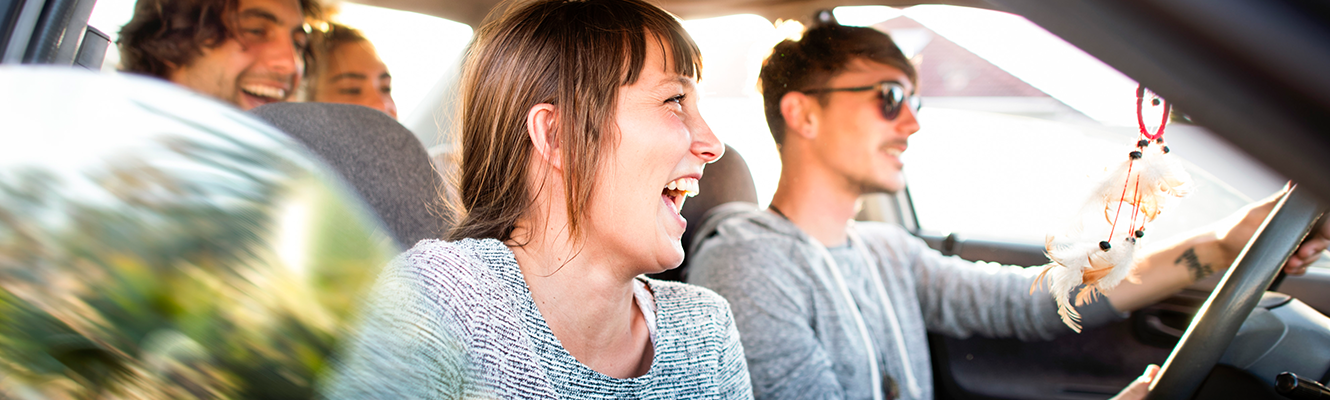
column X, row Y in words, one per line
column 535, row 53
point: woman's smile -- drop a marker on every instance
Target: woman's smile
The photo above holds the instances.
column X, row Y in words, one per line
column 672, row 199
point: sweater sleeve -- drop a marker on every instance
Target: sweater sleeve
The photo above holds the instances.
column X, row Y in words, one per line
column 733, row 375
column 404, row 348
column 962, row 298
column 770, row 306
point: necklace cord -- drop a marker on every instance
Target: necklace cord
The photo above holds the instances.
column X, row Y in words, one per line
column 912, row 383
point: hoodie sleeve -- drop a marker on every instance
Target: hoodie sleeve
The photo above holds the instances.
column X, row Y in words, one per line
column 962, row 298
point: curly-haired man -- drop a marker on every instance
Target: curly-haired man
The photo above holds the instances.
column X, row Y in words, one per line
column 244, row 52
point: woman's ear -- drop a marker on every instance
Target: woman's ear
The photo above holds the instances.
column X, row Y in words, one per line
column 798, row 110
column 541, row 123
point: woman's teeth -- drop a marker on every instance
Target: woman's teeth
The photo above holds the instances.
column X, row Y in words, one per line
column 688, row 186
column 680, row 189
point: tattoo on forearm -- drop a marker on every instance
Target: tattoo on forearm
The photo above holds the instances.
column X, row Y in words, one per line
column 1194, row 265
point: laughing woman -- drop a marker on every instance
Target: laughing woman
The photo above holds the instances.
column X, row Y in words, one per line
column 580, row 138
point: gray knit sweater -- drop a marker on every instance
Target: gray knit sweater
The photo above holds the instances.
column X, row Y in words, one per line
column 800, row 339
column 456, row 319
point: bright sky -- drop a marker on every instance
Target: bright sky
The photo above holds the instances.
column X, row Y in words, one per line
column 1025, row 50
column 1041, row 59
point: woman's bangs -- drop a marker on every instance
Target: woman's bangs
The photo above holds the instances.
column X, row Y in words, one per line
column 658, row 25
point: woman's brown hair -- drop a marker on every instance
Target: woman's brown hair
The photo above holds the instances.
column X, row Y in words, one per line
column 322, row 42
column 573, row 54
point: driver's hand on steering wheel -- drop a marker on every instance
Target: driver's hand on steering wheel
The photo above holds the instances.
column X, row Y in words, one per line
column 1311, row 248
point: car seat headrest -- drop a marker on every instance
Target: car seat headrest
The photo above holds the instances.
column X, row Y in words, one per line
column 378, row 157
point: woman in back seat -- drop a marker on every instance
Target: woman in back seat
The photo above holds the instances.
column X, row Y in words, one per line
column 348, row 70
column 580, row 139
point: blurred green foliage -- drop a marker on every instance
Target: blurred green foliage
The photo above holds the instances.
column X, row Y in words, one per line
column 228, row 272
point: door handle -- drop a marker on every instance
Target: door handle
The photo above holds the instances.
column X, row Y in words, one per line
column 1163, row 324
column 1156, row 325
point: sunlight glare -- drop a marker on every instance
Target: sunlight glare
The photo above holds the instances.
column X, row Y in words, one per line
column 1037, row 57
column 417, row 48
column 733, row 48
column 787, row 29
column 864, row 15
column 292, row 241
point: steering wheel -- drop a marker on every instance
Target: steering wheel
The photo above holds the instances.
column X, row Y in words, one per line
column 1217, row 322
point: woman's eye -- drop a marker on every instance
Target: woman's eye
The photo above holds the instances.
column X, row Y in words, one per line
column 349, row 92
column 386, row 90
column 678, row 99
column 255, row 33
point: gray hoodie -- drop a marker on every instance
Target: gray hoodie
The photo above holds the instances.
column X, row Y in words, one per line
column 800, row 336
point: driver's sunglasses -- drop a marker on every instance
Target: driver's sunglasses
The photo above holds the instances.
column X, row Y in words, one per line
column 892, row 94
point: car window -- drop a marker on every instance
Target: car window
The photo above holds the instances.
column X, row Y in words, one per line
column 1017, row 125
column 1016, row 178
column 1020, row 126
column 159, row 243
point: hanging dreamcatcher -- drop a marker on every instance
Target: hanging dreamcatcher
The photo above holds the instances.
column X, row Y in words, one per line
column 1099, row 249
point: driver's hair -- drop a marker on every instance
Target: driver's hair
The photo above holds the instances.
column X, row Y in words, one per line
column 573, row 54
column 824, row 51
column 167, row 34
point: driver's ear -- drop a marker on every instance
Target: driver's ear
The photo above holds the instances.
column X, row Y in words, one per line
column 542, row 126
column 799, row 111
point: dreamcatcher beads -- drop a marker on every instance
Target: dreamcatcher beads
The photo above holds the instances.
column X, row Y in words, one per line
column 1129, row 198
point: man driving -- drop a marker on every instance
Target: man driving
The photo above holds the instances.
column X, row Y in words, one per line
column 830, row 308
column 244, row 52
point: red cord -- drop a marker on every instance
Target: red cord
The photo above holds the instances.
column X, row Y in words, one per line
column 1163, row 121
column 1140, row 119
column 1136, row 209
column 1114, row 226
column 1136, row 201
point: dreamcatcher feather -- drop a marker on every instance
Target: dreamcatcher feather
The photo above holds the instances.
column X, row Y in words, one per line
column 1132, row 195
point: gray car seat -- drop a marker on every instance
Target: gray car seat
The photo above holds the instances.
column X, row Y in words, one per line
column 726, row 188
column 385, row 164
